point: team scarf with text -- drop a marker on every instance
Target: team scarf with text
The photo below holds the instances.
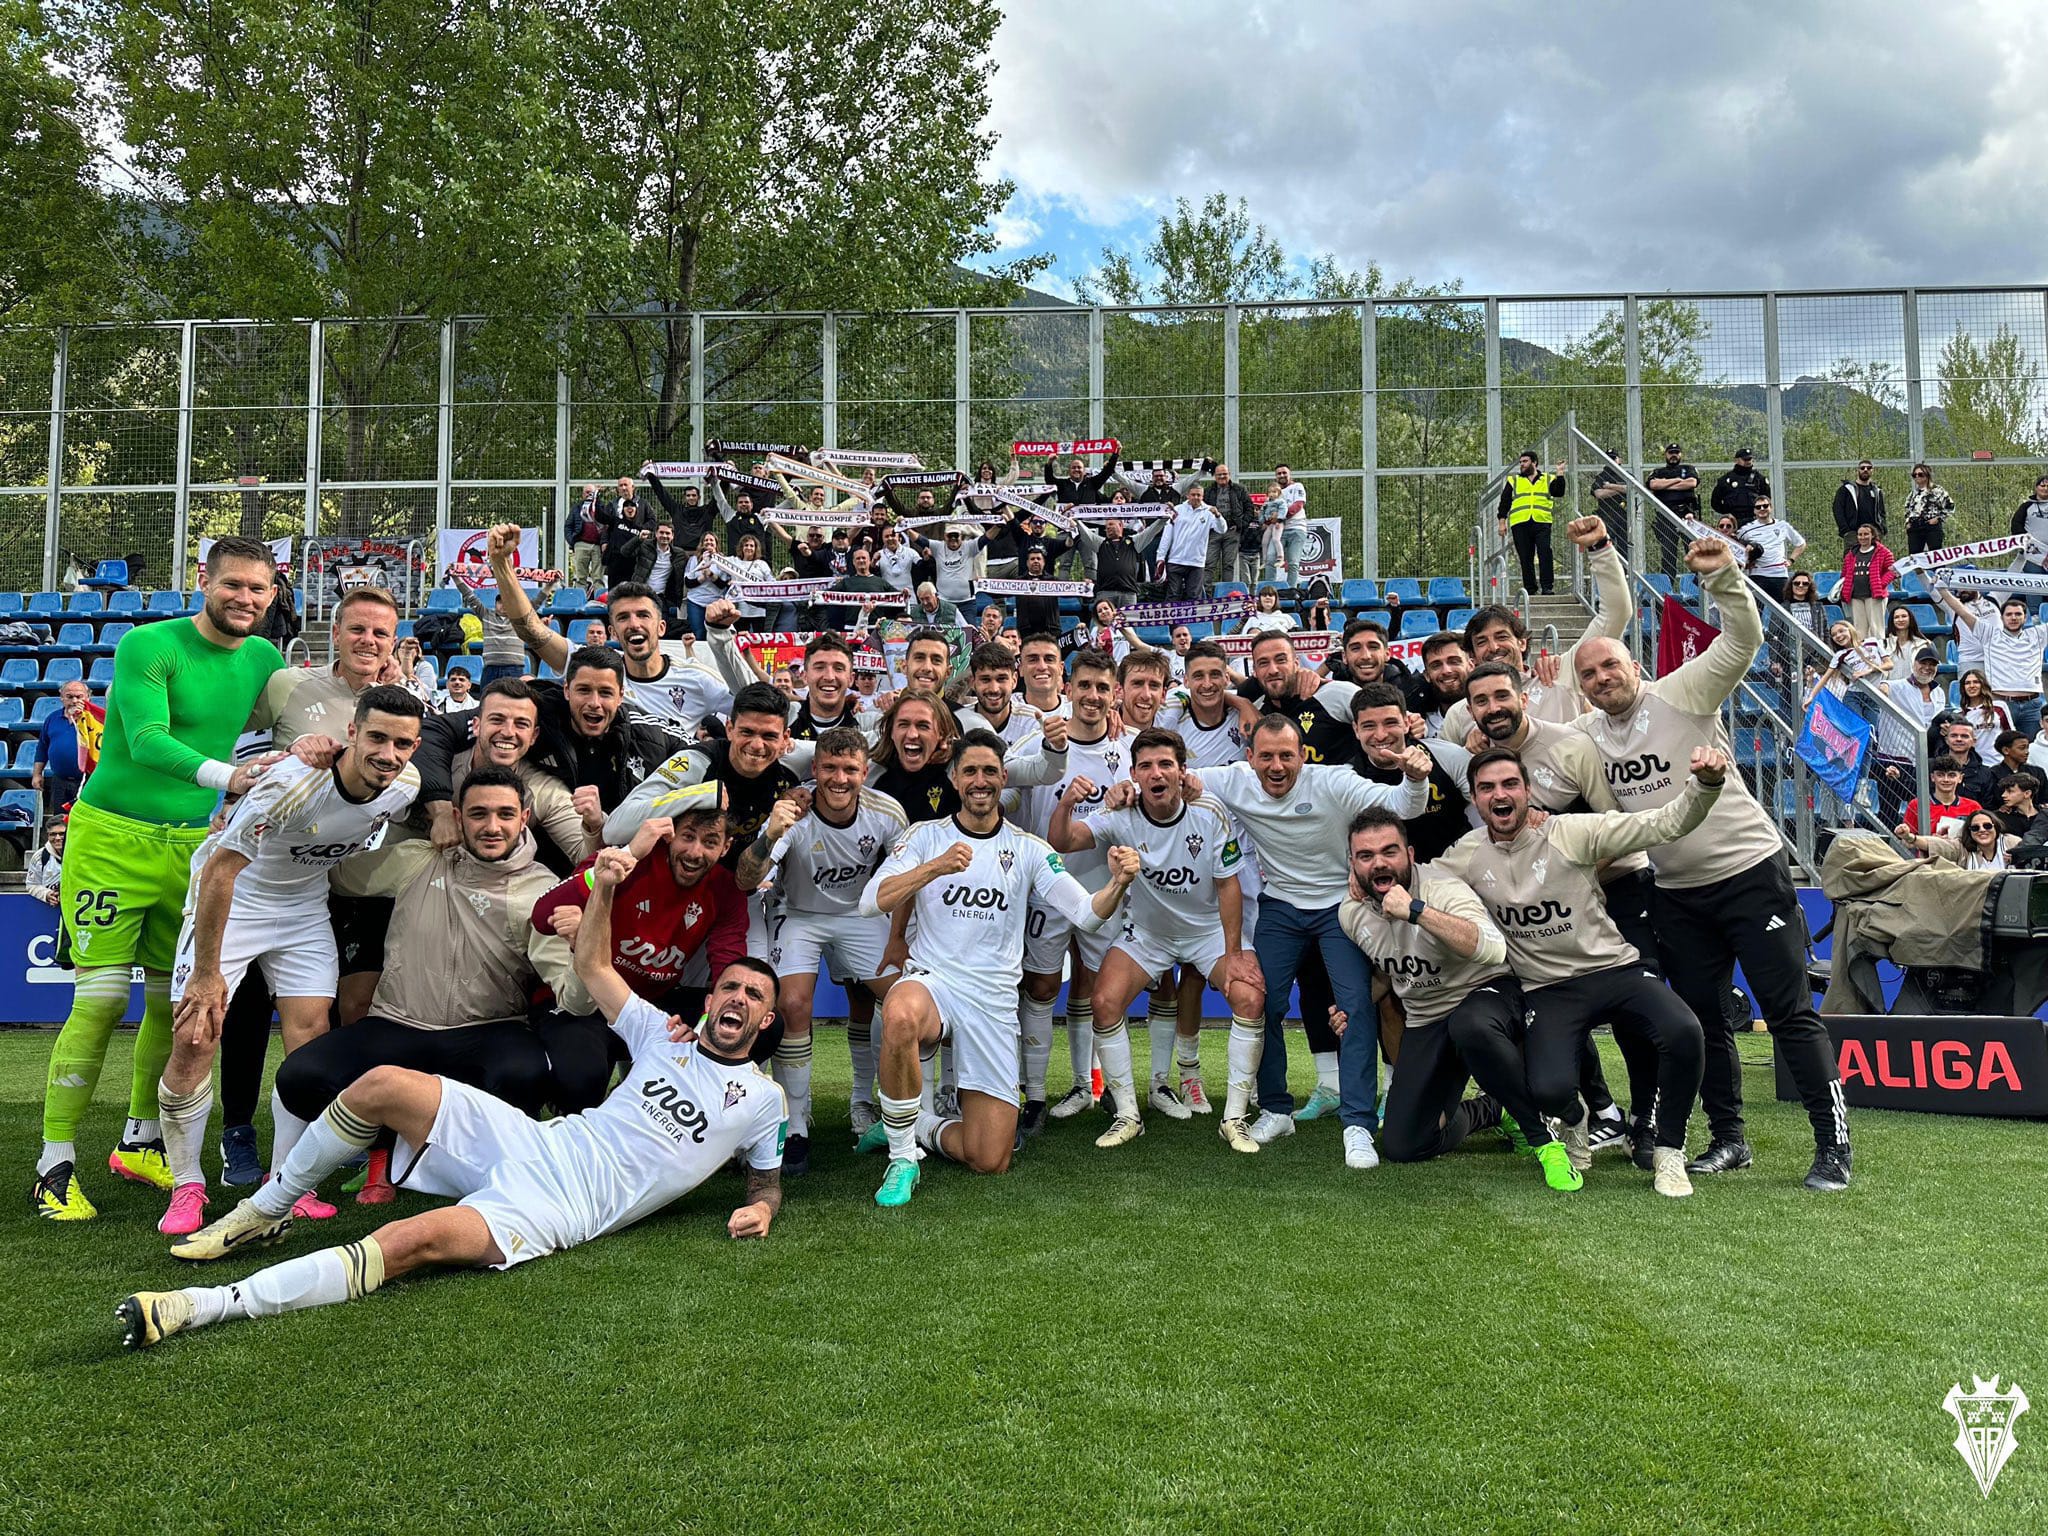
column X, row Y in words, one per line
column 1188, row 613
column 804, row 474
column 719, row 447
column 686, row 470
column 866, row 460
column 1024, row 586
column 779, row 591
column 1957, row 554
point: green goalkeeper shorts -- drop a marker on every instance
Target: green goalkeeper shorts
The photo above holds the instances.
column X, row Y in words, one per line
column 123, row 892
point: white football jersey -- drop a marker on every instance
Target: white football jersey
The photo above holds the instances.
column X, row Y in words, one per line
column 1209, row 746
column 969, row 928
column 294, row 826
column 1174, row 897
column 824, row 868
column 681, row 698
column 677, row 1117
column 1102, row 763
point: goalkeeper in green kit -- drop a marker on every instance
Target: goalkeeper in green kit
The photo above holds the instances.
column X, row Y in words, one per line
column 183, row 690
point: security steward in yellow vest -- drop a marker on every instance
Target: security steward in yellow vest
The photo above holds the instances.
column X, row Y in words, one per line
column 1525, row 509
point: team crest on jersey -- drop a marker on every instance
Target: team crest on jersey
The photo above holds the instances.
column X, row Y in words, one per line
column 1308, row 721
column 1112, row 760
column 933, row 795
column 1007, row 859
column 679, row 697
column 479, row 902
column 691, row 913
column 734, row 1092
column 866, row 845
column 1194, row 842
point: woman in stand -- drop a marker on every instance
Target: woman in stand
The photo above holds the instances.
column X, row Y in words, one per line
column 1266, row 617
column 707, row 583
column 415, row 674
column 1987, row 716
column 1866, row 578
column 1979, row 844
column 1927, row 508
column 1901, row 641
column 1802, row 601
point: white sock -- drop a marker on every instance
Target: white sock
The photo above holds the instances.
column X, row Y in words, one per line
column 929, row 1125
column 1034, row 1021
column 318, row 1149
column 1113, row 1045
column 1612, row 1113
column 1326, row 1071
column 860, row 1044
column 312, row 1280
column 792, row 1069
column 949, row 1071
column 1247, row 1045
column 141, row 1130
column 285, row 1130
column 55, row 1152
column 899, row 1118
column 184, row 1120
column 1187, row 1050
column 1159, row 1029
column 1081, row 1042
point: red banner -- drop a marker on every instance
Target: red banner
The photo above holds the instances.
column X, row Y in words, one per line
column 1682, row 636
column 1086, row 445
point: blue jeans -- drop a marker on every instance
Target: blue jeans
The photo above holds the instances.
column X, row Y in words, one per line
column 500, row 669
column 695, row 613
column 1284, row 934
column 1293, row 540
column 2026, row 714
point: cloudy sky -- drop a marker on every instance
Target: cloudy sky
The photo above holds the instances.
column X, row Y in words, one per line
column 1571, row 148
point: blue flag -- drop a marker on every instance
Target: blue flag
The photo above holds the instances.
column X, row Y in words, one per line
column 1836, row 745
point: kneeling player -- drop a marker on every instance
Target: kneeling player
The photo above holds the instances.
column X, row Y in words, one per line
column 1434, row 945
column 968, row 880
column 686, row 1107
column 1186, row 907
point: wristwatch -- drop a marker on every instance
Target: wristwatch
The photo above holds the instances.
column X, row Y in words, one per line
column 1596, row 548
column 1416, row 908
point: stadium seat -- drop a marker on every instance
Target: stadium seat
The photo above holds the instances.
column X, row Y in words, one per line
column 569, row 601
column 109, row 637
column 24, row 764
column 443, row 600
column 1419, row 621
column 127, row 601
column 1232, row 589
column 46, row 706
column 108, row 573
column 1930, row 620
column 26, row 801
column 1406, row 588
column 1912, row 584
column 18, row 674
column 72, row 637
column 194, row 600
column 47, row 604
column 1448, row 591
column 1379, row 616
column 405, row 629
column 10, row 604
column 165, row 603
column 1458, row 618
column 1360, row 593
column 11, row 712
column 1160, row 635
column 468, row 664
column 86, row 602
column 61, row 670
column 1689, row 588
column 1658, row 583
column 1827, row 583
column 575, row 630
column 100, row 677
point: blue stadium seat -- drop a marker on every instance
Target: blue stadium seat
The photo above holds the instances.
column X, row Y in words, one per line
column 1835, row 615
column 86, row 602
column 404, row 628
column 443, row 600
column 1912, row 584
column 1930, row 620
column 469, row 664
column 1360, row 593
column 10, row 604
column 1407, row 588
column 165, row 603
column 1659, row 583
column 194, row 600
column 1689, row 588
column 1379, row 616
column 576, row 630
column 1419, row 621
column 1457, row 618
column 1827, row 584
column 101, row 675
column 1448, row 591
column 110, row 636
column 45, row 707
column 24, row 764
column 108, row 573
column 569, row 600
column 34, row 648
column 26, row 801
column 72, row 637
column 11, row 713
column 18, row 674
column 1160, row 635
column 46, row 603
column 127, row 601
column 1232, row 589
column 61, row 670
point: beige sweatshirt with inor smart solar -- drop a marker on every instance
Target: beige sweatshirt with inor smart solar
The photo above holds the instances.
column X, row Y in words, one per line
column 1429, row 977
column 1543, row 888
column 1646, row 752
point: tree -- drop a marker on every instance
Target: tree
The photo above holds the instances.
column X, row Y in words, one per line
column 1989, row 397
column 54, row 226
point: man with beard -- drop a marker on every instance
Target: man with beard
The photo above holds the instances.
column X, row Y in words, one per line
column 305, row 701
column 1037, row 615
column 690, row 518
column 183, row 690
column 687, row 1109
column 1119, row 566
column 1380, row 721
column 1185, row 908
column 1438, row 951
column 1498, row 634
column 1365, row 657
column 504, row 731
column 1445, row 661
column 1540, row 883
column 1320, row 709
column 679, row 697
column 992, row 684
column 748, row 763
column 971, row 879
column 1724, row 892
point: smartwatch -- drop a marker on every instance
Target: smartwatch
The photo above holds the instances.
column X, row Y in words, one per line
column 1416, row 908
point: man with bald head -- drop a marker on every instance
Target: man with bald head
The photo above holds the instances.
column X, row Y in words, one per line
column 1723, row 891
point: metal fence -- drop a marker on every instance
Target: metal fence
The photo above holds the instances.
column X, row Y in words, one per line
column 136, row 440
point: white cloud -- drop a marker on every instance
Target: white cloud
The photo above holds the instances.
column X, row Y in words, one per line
column 1597, row 146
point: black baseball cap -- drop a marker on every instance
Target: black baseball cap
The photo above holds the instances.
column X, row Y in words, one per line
column 1744, row 453
column 1673, row 448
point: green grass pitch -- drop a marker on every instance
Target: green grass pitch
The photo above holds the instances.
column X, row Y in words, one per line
column 1167, row 1338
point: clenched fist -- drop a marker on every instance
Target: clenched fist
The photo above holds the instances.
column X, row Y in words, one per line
column 611, row 868
column 954, row 860
column 1586, row 531
column 1395, row 903
column 1123, row 865
column 1708, row 765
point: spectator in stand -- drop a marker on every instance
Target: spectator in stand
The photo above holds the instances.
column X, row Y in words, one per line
column 1247, row 563
column 1988, row 718
column 1922, row 700
column 2031, row 518
column 1859, row 503
column 504, row 652
column 594, row 633
column 1527, row 498
column 658, row 565
column 1233, row 503
column 1954, row 737
column 1736, row 492
column 59, row 767
column 2012, row 655
column 748, row 566
column 583, row 535
column 1854, row 660
column 741, row 515
column 1776, row 544
column 1119, row 563
column 1901, row 641
column 1927, row 508
column 1866, row 578
column 44, row 871
column 707, row 578
column 692, row 517
column 1266, row 617
column 1292, row 498
column 1980, row 842
column 630, row 517
column 2019, row 797
column 1802, row 601
column 1677, row 484
column 459, row 696
column 1948, row 806
column 415, row 673
column 280, row 624
column 2013, row 760
column 1037, row 615
column 1610, row 502
column 931, row 610
column 1077, row 488
column 893, row 561
column 1184, row 547
column 1314, row 595
column 952, row 569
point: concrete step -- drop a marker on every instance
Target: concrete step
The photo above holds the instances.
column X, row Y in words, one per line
column 1567, row 614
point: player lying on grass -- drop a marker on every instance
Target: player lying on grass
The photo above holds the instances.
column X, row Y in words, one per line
column 689, row 1103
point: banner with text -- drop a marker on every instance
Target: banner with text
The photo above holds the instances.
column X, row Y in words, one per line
column 468, row 551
